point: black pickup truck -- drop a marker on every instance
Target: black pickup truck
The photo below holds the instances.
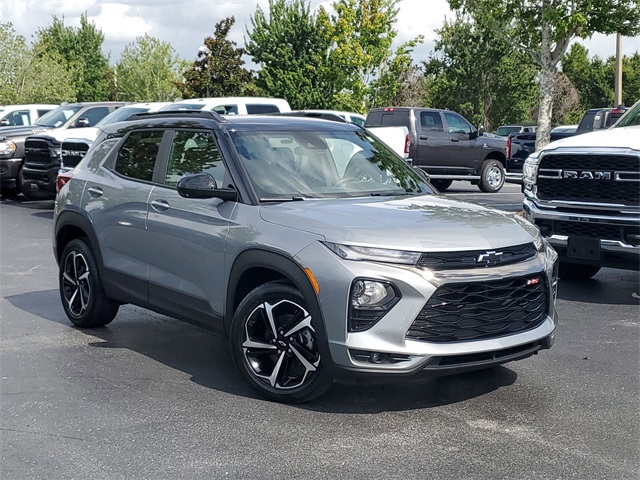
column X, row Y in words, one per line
column 521, row 145
column 446, row 146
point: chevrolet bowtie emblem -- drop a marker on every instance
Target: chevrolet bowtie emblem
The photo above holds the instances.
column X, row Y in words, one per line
column 490, row 258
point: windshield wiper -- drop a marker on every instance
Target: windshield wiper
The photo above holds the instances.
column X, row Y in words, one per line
column 294, row 198
column 389, row 194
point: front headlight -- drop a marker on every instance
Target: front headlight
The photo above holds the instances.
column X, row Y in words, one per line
column 530, row 169
column 7, row 147
column 372, row 254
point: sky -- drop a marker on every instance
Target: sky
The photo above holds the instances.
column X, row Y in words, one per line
column 185, row 23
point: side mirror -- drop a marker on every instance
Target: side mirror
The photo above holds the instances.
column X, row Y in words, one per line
column 480, row 130
column 82, row 122
column 4, row 122
column 203, row 185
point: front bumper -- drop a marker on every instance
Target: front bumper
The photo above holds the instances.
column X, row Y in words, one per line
column 622, row 252
column 350, row 352
column 40, row 182
column 9, row 169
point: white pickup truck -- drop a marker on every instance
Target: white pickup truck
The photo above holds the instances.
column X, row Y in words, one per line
column 396, row 138
column 16, row 115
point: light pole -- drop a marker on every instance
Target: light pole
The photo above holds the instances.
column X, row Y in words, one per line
column 206, row 51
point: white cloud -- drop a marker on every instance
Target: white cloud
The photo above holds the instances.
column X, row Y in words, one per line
column 185, row 23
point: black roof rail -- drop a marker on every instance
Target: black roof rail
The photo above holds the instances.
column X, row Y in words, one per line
column 304, row 113
column 180, row 114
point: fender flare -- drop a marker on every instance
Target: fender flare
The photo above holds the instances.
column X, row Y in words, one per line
column 75, row 219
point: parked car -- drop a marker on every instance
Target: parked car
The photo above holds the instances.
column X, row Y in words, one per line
column 12, row 146
column 321, row 254
column 583, row 193
column 350, row 117
column 17, row 115
column 521, row 145
column 233, row 105
column 506, row 130
column 564, row 129
column 446, row 146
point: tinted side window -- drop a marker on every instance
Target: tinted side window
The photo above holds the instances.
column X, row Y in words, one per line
column 195, row 152
column 19, row 117
column 391, row 118
column 231, row 109
column 431, row 121
column 586, row 124
column 456, row 124
column 137, row 156
column 94, row 115
column 255, row 109
column 357, row 121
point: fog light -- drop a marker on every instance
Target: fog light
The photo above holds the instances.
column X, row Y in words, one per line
column 377, row 357
column 369, row 301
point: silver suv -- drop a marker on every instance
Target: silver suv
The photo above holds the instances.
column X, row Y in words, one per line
column 318, row 252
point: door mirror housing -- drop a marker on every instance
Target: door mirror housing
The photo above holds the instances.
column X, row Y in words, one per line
column 4, row 122
column 82, row 122
column 203, row 185
column 480, row 130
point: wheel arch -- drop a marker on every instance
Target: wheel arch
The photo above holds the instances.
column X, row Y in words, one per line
column 256, row 267
column 497, row 155
column 71, row 225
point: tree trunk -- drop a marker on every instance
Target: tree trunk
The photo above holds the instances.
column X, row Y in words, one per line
column 547, row 80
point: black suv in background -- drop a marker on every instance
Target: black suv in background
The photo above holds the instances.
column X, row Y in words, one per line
column 446, row 146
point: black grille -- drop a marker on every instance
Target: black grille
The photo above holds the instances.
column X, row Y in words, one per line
column 480, row 310
column 470, row 259
column 72, row 153
column 589, row 190
column 37, row 152
column 603, row 231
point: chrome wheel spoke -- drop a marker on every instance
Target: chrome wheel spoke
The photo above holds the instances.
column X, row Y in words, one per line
column 309, row 367
column 71, row 300
column 273, row 378
column 268, row 310
column 68, row 278
column 249, row 343
column 305, row 323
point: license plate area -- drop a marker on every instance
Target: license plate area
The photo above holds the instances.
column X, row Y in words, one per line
column 585, row 248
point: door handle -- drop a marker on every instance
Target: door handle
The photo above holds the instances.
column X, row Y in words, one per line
column 422, row 137
column 95, row 192
column 160, row 205
column 455, row 140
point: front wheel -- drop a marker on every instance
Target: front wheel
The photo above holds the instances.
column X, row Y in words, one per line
column 491, row 176
column 274, row 344
column 576, row 271
column 441, row 185
column 81, row 292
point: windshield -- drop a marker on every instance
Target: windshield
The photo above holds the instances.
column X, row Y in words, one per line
column 286, row 165
column 58, row 117
column 121, row 114
column 184, row 106
column 631, row 117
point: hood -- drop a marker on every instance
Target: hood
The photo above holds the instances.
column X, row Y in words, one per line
column 620, row 137
column 62, row 134
column 21, row 131
column 423, row 223
column 494, row 141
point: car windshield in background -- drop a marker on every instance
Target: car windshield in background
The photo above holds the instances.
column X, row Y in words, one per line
column 58, row 117
column 323, row 164
column 631, row 117
column 184, row 106
column 505, row 131
column 121, row 114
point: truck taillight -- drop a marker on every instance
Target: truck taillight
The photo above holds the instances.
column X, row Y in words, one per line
column 407, row 145
column 389, row 109
column 509, row 146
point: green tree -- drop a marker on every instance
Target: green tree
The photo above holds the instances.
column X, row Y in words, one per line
column 630, row 79
column 362, row 32
column 27, row 78
column 219, row 70
column 593, row 78
column 545, row 28
column 80, row 50
column 476, row 72
column 148, row 70
column 291, row 44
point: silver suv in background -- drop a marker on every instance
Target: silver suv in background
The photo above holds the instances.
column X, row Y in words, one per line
column 320, row 253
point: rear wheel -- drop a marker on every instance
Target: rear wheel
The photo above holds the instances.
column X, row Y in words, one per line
column 274, row 344
column 11, row 192
column 491, row 176
column 81, row 291
column 441, row 185
column 576, row 271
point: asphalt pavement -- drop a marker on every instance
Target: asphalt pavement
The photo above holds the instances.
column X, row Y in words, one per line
column 149, row 397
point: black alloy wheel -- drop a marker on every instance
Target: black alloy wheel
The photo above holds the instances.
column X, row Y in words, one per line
column 273, row 342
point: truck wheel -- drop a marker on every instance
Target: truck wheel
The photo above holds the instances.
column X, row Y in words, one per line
column 576, row 271
column 441, row 185
column 81, row 291
column 12, row 191
column 274, row 344
column 491, row 176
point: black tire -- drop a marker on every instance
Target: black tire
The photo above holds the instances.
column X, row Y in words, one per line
column 576, row 271
column 273, row 343
column 441, row 185
column 491, row 176
column 81, row 291
column 13, row 191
